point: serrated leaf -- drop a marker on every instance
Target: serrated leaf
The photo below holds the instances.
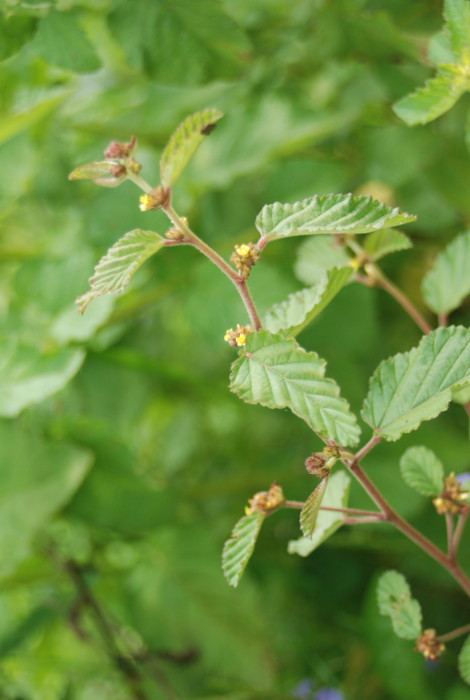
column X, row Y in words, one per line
column 415, row 386
column 464, row 661
column 447, row 283
column 440, row 49
column 239, row 548
column 116, row 268
column 277, row 373
column 316, row 255
column 422, row 470
column 184, row 142
column 381, row 243
column 394, row 599
column 90, row 171
column 331, row 213
column 457, row 17
column 336, row 496
column 437, row 96
column 300, row 308
column 311, row 509
column 60, row 40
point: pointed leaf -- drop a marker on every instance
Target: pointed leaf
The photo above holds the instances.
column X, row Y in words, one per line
column 184, row 142
column 277, row 373
column 464, row 661
column 300, row 308
column 316, row 255
column 331, row 213
column 394, row 599
column 422, row 470
column 90, row 171
column 448, row 281
column 311, row 509
column 457, row 17
column 336, row 496
column 381, row 243
column 115, row 269
column 61, row 40
column 239, row 548
column 415, row 386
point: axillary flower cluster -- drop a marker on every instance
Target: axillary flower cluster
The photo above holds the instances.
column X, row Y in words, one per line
column 244, row 257
column 453, row 498
column 237, row 338
column 265, row 501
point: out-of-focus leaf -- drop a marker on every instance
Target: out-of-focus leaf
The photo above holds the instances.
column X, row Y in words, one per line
column 447, row 283
column 464, row 661
column 14, row 638
column 422, row 470
column 300, row 308
column 90, row 171
column 440, row 49
column 278, row 373
column 336, row 496
column 311, row 509
column 115, row 269
column 316, row 255
column 61, row 40
column 457, row 18
column 13, row 124
column 381, row 243
column 415, row 386
column 15, row 32
column 333, row 213
column 394, row 599
column 239, row 548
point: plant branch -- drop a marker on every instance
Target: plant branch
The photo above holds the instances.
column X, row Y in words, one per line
column 462, row 519
column 450, row 535
column 348, row 511
column 454, row 634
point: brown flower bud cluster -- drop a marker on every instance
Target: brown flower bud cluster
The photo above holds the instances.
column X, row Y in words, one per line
column 174, row 233
column 453, row 498
column 429, row 646
column 319, row 463
column 154, row 199
column 265, row 501
column 244, row 257
column 237, row 338
column 117, row 150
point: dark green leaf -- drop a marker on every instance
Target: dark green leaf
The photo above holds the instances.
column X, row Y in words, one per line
column 464, row 661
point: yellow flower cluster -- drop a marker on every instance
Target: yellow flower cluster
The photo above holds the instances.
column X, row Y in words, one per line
column 429, row 645
column 453, row 499
column 265, row 501
column 237, row 338
column 244, row 257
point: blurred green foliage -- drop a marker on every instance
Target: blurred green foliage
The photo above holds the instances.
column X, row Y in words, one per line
column 125, row 460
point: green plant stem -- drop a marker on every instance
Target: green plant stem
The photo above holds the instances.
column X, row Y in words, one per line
column 454, row 634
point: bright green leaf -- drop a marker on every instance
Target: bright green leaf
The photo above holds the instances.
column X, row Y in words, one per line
column 300, row 308
column 447, row 283
column 464, row 661
column 311, row 509
column 184, row 142
column 331, row 213
column 60, row 40
column 278, row 373
column 415, row 386
column 13, row 124
column 336, row 496
column 394, row 599
column 316, row 255
column 239, row 548
column 115, row 269
column 457, row 17
column 381, row 243
column 440, row 49
column 422, row 470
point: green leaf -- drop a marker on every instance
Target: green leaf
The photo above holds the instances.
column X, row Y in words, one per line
column 437, row 96
column 447, row 283
column 90, row 171
column 336, row 496
column 300, row 308
column 15, row 32
column 184, row 142
column 464, row 661
column 415, row 386
column 311, row 509
column 28, row 376
column 60, row 40
column 422, row 470
column 239, row 548
column 36, row 620
column 381, row 243
column 331, row 213
column 277, row 373
column 316, row 255
column 115, row 269
column 457, row 17
column 394, row 599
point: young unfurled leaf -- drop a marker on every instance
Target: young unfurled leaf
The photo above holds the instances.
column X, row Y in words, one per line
column 448, row 281
column 239, row 548
column 277, row 373
column 336, row 496
column 395, row 601
column 422, row 470
column 464, row 661
column 115, row 269
column 99, row 171
column 300, row 308
column 331, row 213
column 184, row 142
column 381, row 243
column 316, row 255
column 311, row 509
column 415, row 386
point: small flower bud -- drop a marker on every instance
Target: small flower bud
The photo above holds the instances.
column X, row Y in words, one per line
column 265, row 501
column 117, row 149
column 429, row 646
column 133, row 165
column 244, row 257
column 154, row 199
column 453, row 498
column 117, row 170
column 237, row 338
column 319, row 464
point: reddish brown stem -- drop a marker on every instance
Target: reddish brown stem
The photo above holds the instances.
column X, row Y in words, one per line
column 454, row 634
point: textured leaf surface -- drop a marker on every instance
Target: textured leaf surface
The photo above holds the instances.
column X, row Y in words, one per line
column 316, row 255
column 464, row 661
column 448, row 282
column 394, row 599
column 332, row 213
column 116, row 268
column 422, row 470
column 381, row 243
column 300, row 308
column 415, row 386
column 311, row 509
column 90, row 171
column 184, row 142
column 457, row 17
column 336, row 496
column 277, row 373
column 239, row 548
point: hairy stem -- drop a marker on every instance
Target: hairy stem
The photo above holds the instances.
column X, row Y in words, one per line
column 454, row 634
column 348, row 511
